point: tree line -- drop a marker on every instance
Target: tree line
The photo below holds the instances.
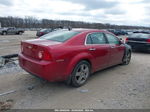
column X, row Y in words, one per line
column 32, row 22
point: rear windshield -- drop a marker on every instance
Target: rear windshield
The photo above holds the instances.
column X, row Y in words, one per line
column 139, row 35
column 60, row 36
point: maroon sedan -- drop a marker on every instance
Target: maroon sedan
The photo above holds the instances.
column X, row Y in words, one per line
column 72, row 56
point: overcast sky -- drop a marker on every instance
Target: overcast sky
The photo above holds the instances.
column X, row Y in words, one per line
column 122, row 12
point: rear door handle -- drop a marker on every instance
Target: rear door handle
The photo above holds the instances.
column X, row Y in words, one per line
column 92, row 49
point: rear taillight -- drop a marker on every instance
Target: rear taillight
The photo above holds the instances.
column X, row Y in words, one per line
column 40, row 54
column 44, row 55
column 41, row 33
column 148, row 40
column 126, row 40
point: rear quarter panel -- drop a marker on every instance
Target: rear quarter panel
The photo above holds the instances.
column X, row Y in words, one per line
column 67, row 57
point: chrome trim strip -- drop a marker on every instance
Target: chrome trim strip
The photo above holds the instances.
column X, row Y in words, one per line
column 96, row 44
column 92, row 44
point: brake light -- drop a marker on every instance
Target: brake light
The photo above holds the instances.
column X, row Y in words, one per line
column 148, row 40
column 41, row 33
column 44, row 55
column 126, row 40
column 47, row 56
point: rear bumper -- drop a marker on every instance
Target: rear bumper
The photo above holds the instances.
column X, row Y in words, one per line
column 43, row 69
column 139, row 46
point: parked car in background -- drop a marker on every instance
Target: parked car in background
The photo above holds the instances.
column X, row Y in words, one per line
column 73, row 55
column 46, row 31
column 11, row 30
column 111, row 30
column 118, row 32
column 121, row 32
column 148, row 32
column 129, row 32
column 43, row 32
column 139, row 41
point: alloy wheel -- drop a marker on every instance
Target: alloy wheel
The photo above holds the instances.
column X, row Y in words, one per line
column 82, row 74
column 127, row 58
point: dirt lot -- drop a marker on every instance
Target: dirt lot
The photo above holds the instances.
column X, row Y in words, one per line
column 121, row 87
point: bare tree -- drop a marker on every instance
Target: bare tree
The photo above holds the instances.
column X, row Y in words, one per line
column 32, row 22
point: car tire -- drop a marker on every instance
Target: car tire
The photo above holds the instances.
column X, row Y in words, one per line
column 4, row 33
column 20, row 33
column 80, row 74
column 126, row 59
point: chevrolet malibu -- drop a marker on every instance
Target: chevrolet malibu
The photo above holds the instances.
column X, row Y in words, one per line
column 73, row 55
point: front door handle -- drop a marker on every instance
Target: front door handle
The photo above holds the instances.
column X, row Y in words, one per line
column 92, row 49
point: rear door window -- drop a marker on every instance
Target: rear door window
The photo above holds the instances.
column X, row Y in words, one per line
column 96, row 38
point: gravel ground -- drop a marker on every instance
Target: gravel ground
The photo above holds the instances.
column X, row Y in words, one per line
column 118, row 87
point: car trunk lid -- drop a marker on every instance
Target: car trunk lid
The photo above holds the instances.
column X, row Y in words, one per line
column 32, row 48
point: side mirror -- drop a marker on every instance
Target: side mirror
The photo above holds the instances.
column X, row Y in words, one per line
column 122, row 41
